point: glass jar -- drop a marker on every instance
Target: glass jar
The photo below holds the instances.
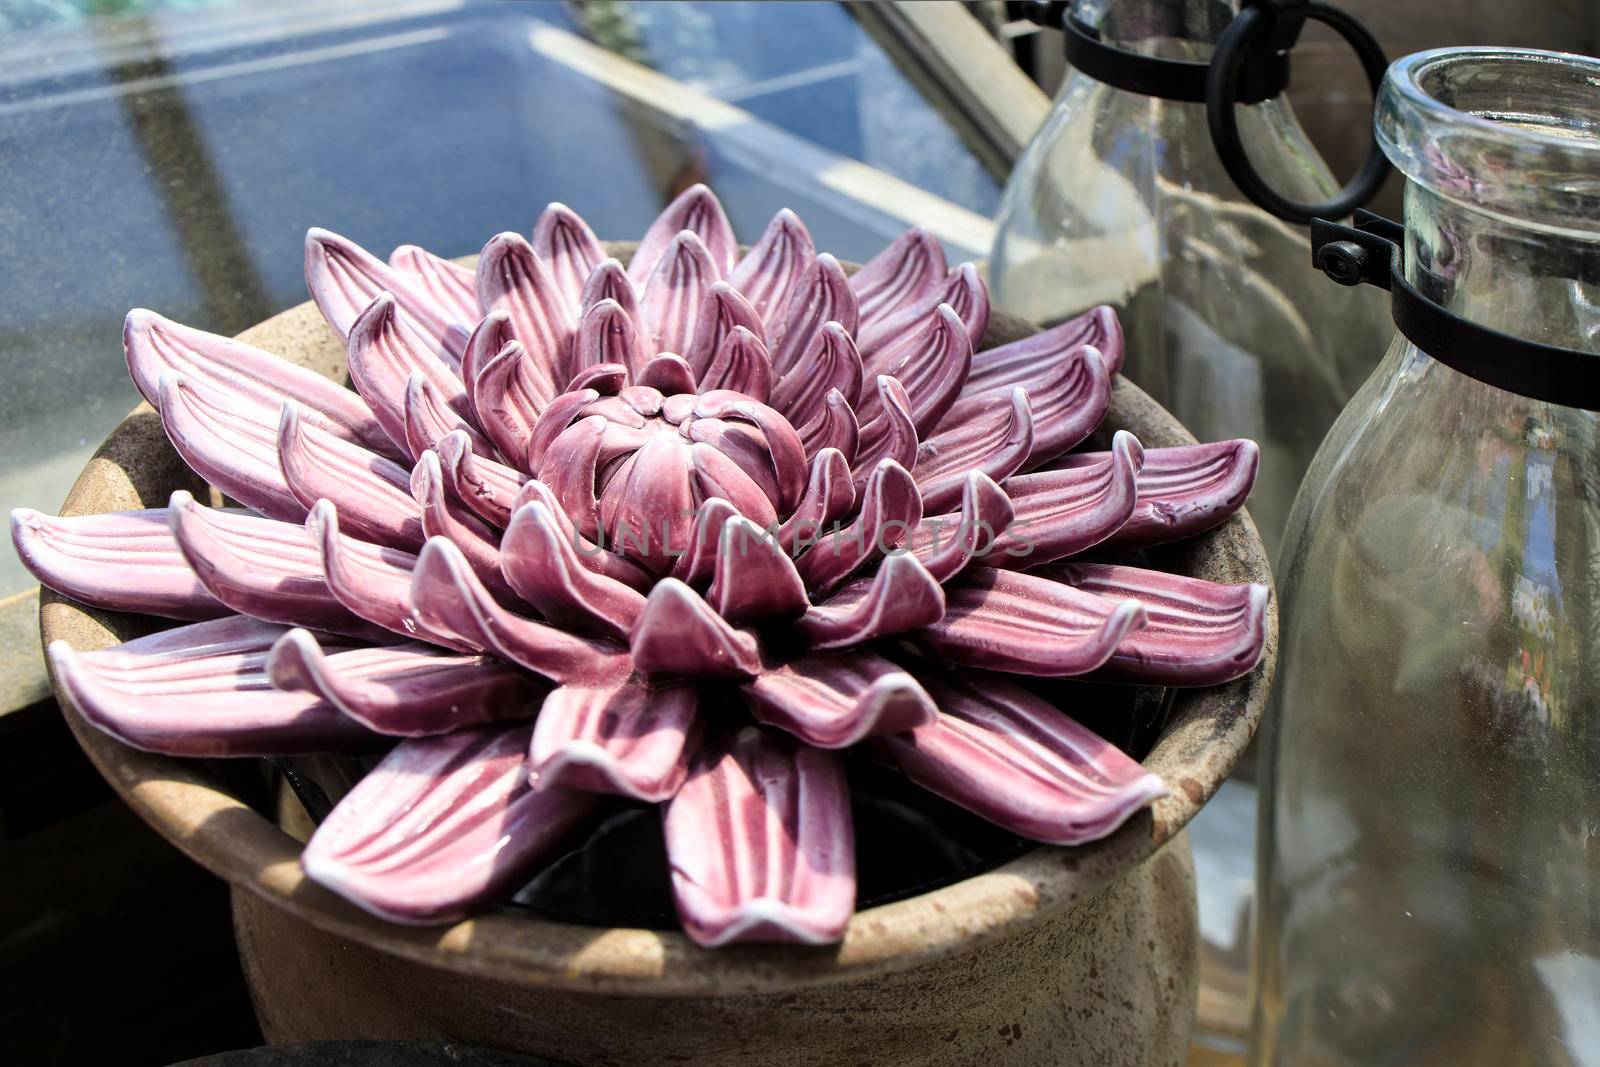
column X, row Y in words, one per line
column 1429, row 876
column 1121, row 199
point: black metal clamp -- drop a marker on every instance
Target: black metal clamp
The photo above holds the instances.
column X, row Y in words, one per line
column 1372, row 252
column 1250, row 65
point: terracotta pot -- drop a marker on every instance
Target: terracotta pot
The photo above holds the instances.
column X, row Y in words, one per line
column 1083, row 955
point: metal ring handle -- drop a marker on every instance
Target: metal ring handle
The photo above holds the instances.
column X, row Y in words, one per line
column 1222, row 88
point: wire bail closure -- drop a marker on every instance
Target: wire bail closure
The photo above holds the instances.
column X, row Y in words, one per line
column 1372, row 252
column 1250, row 65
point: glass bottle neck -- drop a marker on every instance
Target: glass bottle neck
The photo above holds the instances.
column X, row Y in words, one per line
column 1170, row 29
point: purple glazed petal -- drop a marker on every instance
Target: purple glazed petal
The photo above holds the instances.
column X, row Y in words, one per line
column 677, row 294
column 962, row 289
column 123, row 561
column 606, row 334
column 834, row 427
column 260, row 567
column 487, row 340
column 345, row 278
column 404, row 690
column 443, row 826
column 830, row 495
column 372, row 583
column 1060, row 513
column 383, row 354
column 509, row 397
column 834, row 701
column 443, row 517
column 428, row 420
column 679, row 635
column 1182, row 491
column 569, row 248
column 767, row 276
column 1004, row 753
column 607, row 379
column 1028, row 624
column 831, row 362
column 996, row 447
column 699, row 560
column 489, row 488
column 447, row 284
column 1021, row 361
column 822, row 295
column 741, row 365
column 609, row 281
column 901, row 596
column 761, row 843
column 754, row 577
column 1068, row 401
column 946, row 544
column 235, row 449
column 562, row 413
column 899, row 276
column 632, row 739
column 892, row 435
column 592, row 556
column 668, row 374
column 243, row 376
column 786, row 452
column 201, row 690
column 372, row 493
column 511, row 278
column 697, row 210
column 448, row 598
column 542, row 565
column 1199, row 632
column 930, row 362
column 725, row 309
column 891, row 507
column 654, row 509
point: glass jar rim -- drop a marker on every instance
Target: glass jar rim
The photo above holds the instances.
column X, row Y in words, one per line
column 1487, row 126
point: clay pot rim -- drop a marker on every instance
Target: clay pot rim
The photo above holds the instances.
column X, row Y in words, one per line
column 1205, row 734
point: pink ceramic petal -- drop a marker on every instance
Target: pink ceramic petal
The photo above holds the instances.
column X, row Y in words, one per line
column 725, row 310
column 1060, row 513
column 1028, row 624
column 834, row 701
column 697, row 210
column 383, row 355
column 767, row 276
column 243, row 376
column 998, row 446
column 542, row 565
column 235, row 449
column 372, row 493
column 345, row 278
column 834, row 427
column 447, row 284
column 509, row 397
column 1021, row 361
column 931, row 362
column 899, row 276
column 569, row 248
column 443, row 826
column 697, row 564
column 488, row 339
column 607, row 334
column 892, row 435
column 669, row 374
column 428, row 420
column 831, row 362
column 655, row 507
column 761, row 843
column 591, row 555
column 901, row 596
column 677, row 294
column 261, row 567
column 511, row 278
column 633, row 739
column 890, row 509
column 947, row 544
column 822, row 295
column 443, row 517
column 1068, row 401
column 787, row 453
column 490, row 489
column 1182, row 491
column 609, row 281
column 962, row 289
column 201, row 690
column 404, row 690
column 754, row 578
column 741, row 365
column 562, row 413
column 680, row 635
column 1199, row 632
column 1004, row 753
column 447, row 597
column 122, row 561
column 830, row 495
column 568, row 467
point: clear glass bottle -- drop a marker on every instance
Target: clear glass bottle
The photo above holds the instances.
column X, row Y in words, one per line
column 1121, row 199
column 1429, row 877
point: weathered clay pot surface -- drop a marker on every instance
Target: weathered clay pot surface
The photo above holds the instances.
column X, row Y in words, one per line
column 1061, row 956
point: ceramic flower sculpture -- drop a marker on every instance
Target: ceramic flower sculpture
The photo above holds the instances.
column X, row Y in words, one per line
column 681, row 531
